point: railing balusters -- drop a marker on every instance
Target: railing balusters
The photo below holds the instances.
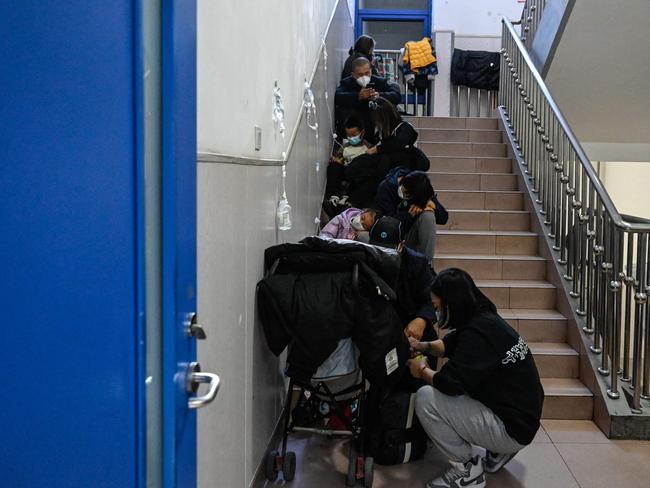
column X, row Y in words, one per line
column 615, row 288
column 640, row 299
column 604, row 254
column 606, row 310
column 589, row 327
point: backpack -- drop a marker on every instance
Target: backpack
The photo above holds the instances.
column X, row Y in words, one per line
column 394, row 433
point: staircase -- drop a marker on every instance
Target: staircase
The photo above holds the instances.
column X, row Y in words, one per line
column 489, row 235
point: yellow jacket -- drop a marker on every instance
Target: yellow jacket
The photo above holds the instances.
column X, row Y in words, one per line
column 418, row 54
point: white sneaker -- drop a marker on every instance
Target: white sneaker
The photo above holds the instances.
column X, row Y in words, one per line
column 494, row 461
column 460, row 475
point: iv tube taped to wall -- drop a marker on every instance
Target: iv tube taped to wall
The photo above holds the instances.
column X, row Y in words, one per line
column 278, row 110
column 310, row 108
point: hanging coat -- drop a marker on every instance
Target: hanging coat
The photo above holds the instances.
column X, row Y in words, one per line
column 475, row 69
column 320, row 291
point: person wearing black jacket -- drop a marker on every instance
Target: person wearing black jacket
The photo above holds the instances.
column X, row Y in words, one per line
column 363, row 48
column 413, row 283
column 395, row 148
column 488, row 394
column 355, row 94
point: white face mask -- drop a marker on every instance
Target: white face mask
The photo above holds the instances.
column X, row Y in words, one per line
column 442, row 318
column 400, row 193
column 356, row 224
column 363, row 81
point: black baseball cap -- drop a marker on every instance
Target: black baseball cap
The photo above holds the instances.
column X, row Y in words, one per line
column 387, row 232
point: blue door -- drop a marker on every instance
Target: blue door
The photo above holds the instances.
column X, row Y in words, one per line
column 73, row 254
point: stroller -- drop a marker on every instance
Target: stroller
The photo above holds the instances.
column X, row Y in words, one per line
column 330, row 405
column 326, row 366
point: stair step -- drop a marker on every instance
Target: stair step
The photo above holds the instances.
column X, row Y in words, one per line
column 536, row 325
column 555, row 360
column 519, row 294
column 448, row 164
column 465, row 219
column 482, row 200
column 567, row 399
column 473, row 181
column 464, row 149
column 459, row 135
column 486, row 242
column 454, row 122
column 494, row 266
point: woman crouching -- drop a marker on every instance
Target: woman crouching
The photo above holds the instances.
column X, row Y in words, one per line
column 488, row 394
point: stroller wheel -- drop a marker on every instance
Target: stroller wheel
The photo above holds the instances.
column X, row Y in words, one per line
column 271, row 465
column 289, row 466
column 368, row 472
column 351, row 477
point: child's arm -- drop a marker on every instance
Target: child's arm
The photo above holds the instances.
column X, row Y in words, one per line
column 332, row 228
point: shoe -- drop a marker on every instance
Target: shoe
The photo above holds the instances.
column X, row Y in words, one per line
column 493, row 461
column 460, row 475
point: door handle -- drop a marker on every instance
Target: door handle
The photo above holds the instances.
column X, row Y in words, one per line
column 194, row 378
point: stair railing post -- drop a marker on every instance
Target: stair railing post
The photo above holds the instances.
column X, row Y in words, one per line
column 606, row 269
column 640, row 298
column 615, row 287
column 628, row 280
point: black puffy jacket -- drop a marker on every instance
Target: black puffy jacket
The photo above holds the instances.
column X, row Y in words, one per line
column 319, row 291
column 475, row 69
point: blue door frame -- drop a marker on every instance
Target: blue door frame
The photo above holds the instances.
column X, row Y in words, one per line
column 397, row 15
column 179, row 236
column 72, row 248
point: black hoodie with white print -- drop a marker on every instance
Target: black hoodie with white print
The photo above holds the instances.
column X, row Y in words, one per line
column 491, row 363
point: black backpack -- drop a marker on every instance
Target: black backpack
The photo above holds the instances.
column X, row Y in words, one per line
column 393, row 431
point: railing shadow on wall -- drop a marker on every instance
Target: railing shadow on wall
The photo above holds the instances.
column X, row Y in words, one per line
column 605, row 255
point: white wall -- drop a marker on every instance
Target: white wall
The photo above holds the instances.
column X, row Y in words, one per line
column 236, row 223
column 627, row 185
column 474, row 17
column 599, row 78
column 244, row 46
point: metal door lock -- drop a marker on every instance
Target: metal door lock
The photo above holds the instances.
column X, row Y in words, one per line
column 193, row 329
column 196, row 377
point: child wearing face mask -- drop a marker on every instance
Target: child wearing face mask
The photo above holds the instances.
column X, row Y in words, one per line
column 349, row 223
column 354, row 145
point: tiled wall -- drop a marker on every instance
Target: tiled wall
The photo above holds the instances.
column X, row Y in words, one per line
column 236, row 222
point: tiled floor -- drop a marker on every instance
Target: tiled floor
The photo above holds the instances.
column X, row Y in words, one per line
column 564, row 454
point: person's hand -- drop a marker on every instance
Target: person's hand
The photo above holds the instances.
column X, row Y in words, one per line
column 416, row 345
column 414, row 210
column 372, row 150
column 415, row 328
column 417, row 366
column 431, row 207
column 367, row 94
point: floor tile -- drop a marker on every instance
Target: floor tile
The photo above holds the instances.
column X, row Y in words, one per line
column 620, row 464
column 541, row 437
column 574, row 431
column 536, row 466
column 322, row 463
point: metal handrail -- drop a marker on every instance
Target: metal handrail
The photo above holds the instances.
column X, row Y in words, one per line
column 531, row 15
column 584, row 159
column 605, row 255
